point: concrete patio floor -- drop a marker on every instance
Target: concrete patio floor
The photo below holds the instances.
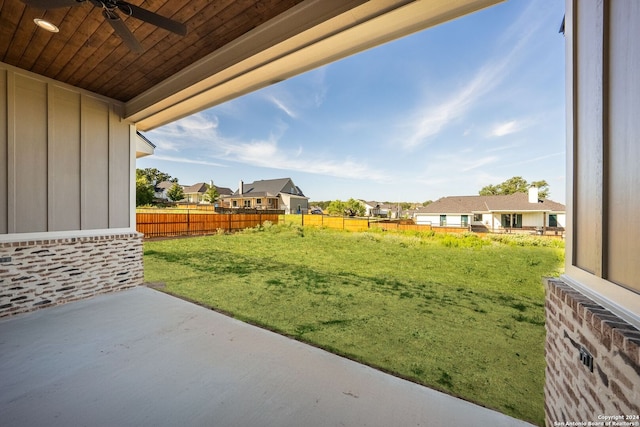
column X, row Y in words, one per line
column 144, row 358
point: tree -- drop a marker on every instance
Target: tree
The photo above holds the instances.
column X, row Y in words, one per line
column 211, row 195
column 354, row 207
column 543, row 188
column 144, row 191
column 154, row 176
column 336, row 207
column 490, row 190
column 517, row 184
column 321, row 204
column 176, row 192
column 427, row 203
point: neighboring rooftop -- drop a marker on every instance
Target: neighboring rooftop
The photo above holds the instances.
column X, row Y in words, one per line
column 201, row 187
column 269, row 187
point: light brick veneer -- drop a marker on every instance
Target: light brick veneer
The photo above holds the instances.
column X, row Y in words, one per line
column 575, row 393
column 43, row 273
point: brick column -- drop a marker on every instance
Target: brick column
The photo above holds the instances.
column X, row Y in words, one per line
column 593, row 360
column 43, row 273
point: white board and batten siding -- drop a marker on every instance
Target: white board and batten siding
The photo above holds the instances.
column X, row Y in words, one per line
column 67, row 155
column 603, row 153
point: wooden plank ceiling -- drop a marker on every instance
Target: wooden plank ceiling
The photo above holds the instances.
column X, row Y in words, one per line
column 87, row 54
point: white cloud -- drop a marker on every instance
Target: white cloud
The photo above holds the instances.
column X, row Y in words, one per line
column 185, row 160
column 507, row 128
column 198, row 137
column 302, row 93
column 536, row 159
column 281, row 105
column 474, row 164
column 502, row 148
column 187, row 133
column 317, row 79
column 429, row 120
column 269, row 155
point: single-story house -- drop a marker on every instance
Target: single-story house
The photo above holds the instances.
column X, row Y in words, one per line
column 280, row 194
column 513, row 212
column 384, row 210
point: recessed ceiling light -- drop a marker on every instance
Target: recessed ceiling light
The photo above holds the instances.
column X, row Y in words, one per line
column 46, row 25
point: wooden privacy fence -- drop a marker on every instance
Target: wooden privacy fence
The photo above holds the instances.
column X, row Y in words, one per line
column 359, row 224
column 337, row 222
column 417, row 227
column 162, row 224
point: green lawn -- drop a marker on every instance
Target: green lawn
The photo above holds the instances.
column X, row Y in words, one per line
column 461, row 314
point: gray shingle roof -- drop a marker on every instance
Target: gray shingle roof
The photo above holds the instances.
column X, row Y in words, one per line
column 269, row 188
column 518, row 202
column 201, row 188
column 224, row 191
column 164, row 185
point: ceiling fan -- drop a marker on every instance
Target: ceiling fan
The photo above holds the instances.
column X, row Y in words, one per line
column 109, row 11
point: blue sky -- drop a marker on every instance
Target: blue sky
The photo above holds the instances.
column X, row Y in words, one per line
column 439, row 113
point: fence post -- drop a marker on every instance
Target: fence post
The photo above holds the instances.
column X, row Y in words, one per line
column 302, row 213
column 188, row 223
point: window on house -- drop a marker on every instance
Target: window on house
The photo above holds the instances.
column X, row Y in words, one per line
column 505, row 220
column 234, row 204
column 464, row 220
column 516, row 220
column 258, row 201
column 247, row 203
column 511, row 220
column 477, row 217
column 553, row 220
column 443, row 220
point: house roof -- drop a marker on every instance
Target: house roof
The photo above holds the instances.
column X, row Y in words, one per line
column 224, row 191
column 381, row 205
column 389, row 206
column 144, row 147
column 164, row 185
column 518, row 202
column 232, row 47
column 201, row 188
column 269, row 188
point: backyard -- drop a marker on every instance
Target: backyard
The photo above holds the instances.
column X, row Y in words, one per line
column 460, row 313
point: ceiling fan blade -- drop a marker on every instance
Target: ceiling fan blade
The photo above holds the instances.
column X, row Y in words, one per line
column 50, row 4
column 152, row 18
column 121, row 30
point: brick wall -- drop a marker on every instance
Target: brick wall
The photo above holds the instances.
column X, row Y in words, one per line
column 43, row 273
column 593, row 361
